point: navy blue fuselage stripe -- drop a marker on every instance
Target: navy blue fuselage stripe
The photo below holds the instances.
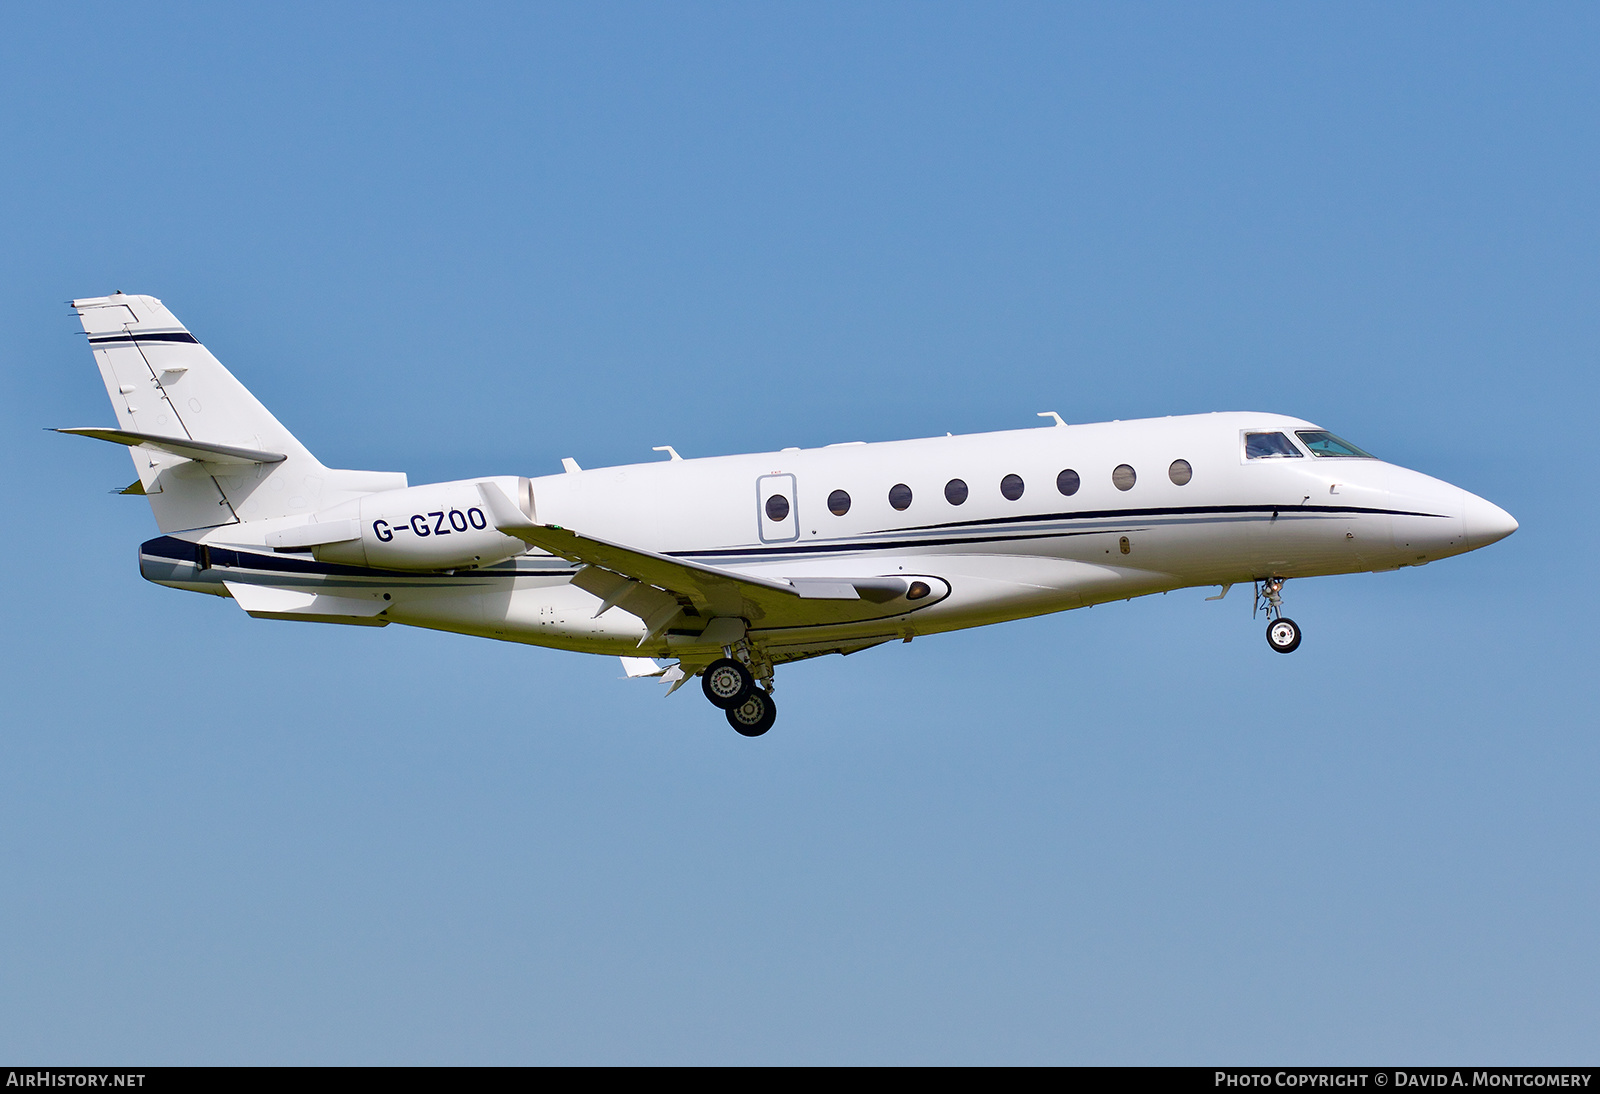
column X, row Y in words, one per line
column 1103, row 529
column 106, row 339
column 887, row 545
column 1173, row 511
column 181, row 550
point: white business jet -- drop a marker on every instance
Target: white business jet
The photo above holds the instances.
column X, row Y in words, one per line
column 729, row 566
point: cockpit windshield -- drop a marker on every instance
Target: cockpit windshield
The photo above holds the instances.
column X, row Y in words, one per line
column 1262, row 446
column 1323, row 443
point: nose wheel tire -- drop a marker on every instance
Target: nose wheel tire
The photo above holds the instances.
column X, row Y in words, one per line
column 1283, row 635
column 755, row 715
column 727, row 683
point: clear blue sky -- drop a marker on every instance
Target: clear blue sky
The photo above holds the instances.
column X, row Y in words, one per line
column 461, row 239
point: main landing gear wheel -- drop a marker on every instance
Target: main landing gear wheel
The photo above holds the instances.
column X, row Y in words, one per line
column 727, row 683
column 1283, row 635
column 755, row 715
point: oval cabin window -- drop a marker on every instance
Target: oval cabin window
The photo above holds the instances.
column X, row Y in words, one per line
column 838, row 503
column 777, row 507
column 1123, row 477
column 900, row 496
column 1011, row 487
column 955, row 491
column 1068, row 482
column 1180, row 472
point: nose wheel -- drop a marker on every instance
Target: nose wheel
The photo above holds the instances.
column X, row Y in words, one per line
column 1283, row 633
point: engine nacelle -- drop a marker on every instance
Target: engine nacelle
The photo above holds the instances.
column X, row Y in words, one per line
column 443, row 526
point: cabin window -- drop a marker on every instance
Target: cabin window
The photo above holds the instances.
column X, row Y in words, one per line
column 1180, row 472
column 900, row 496
column 1011, row 487
column 955, row 491
column 1323, row 443
column 1068, row 482
column 838, row 503
column 1266, row 446
column 1124, row 477
column 777, row 507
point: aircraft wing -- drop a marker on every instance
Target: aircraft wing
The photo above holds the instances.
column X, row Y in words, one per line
column 657, row 587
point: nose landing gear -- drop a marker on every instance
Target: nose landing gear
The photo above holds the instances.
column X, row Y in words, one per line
column 1283, row 633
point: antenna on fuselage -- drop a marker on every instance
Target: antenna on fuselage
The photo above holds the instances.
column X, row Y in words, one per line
column 1051, row 414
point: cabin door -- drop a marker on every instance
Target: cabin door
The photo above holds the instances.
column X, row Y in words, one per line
column 777, row 509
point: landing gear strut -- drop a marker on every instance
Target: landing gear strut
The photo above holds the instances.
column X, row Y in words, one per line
column 1283, row 633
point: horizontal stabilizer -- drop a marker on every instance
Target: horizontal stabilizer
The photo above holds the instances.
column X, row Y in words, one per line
column 272, row 602
column 203, row 451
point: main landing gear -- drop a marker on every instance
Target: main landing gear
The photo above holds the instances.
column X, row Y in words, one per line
column 730, row 685
column 727, row 683
column 755, row 715
column 1283, row 633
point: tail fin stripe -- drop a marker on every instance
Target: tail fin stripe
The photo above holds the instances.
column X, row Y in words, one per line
column 108, row 339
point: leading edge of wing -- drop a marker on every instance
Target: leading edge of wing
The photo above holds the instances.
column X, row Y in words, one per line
column 713, row 590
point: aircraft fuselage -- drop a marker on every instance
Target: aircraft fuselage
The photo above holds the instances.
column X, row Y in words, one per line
column 1234, row 519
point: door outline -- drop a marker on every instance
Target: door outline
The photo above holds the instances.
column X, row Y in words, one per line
column 770, row 531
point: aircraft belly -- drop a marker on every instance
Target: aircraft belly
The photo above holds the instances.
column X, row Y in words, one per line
column 557, row 614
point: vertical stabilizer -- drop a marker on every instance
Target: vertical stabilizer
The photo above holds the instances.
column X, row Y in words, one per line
column 163, row 383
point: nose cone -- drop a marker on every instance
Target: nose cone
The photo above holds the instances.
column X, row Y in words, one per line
column 1486, row 522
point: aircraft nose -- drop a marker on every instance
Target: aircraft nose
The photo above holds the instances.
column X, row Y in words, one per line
column 1486, row 522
